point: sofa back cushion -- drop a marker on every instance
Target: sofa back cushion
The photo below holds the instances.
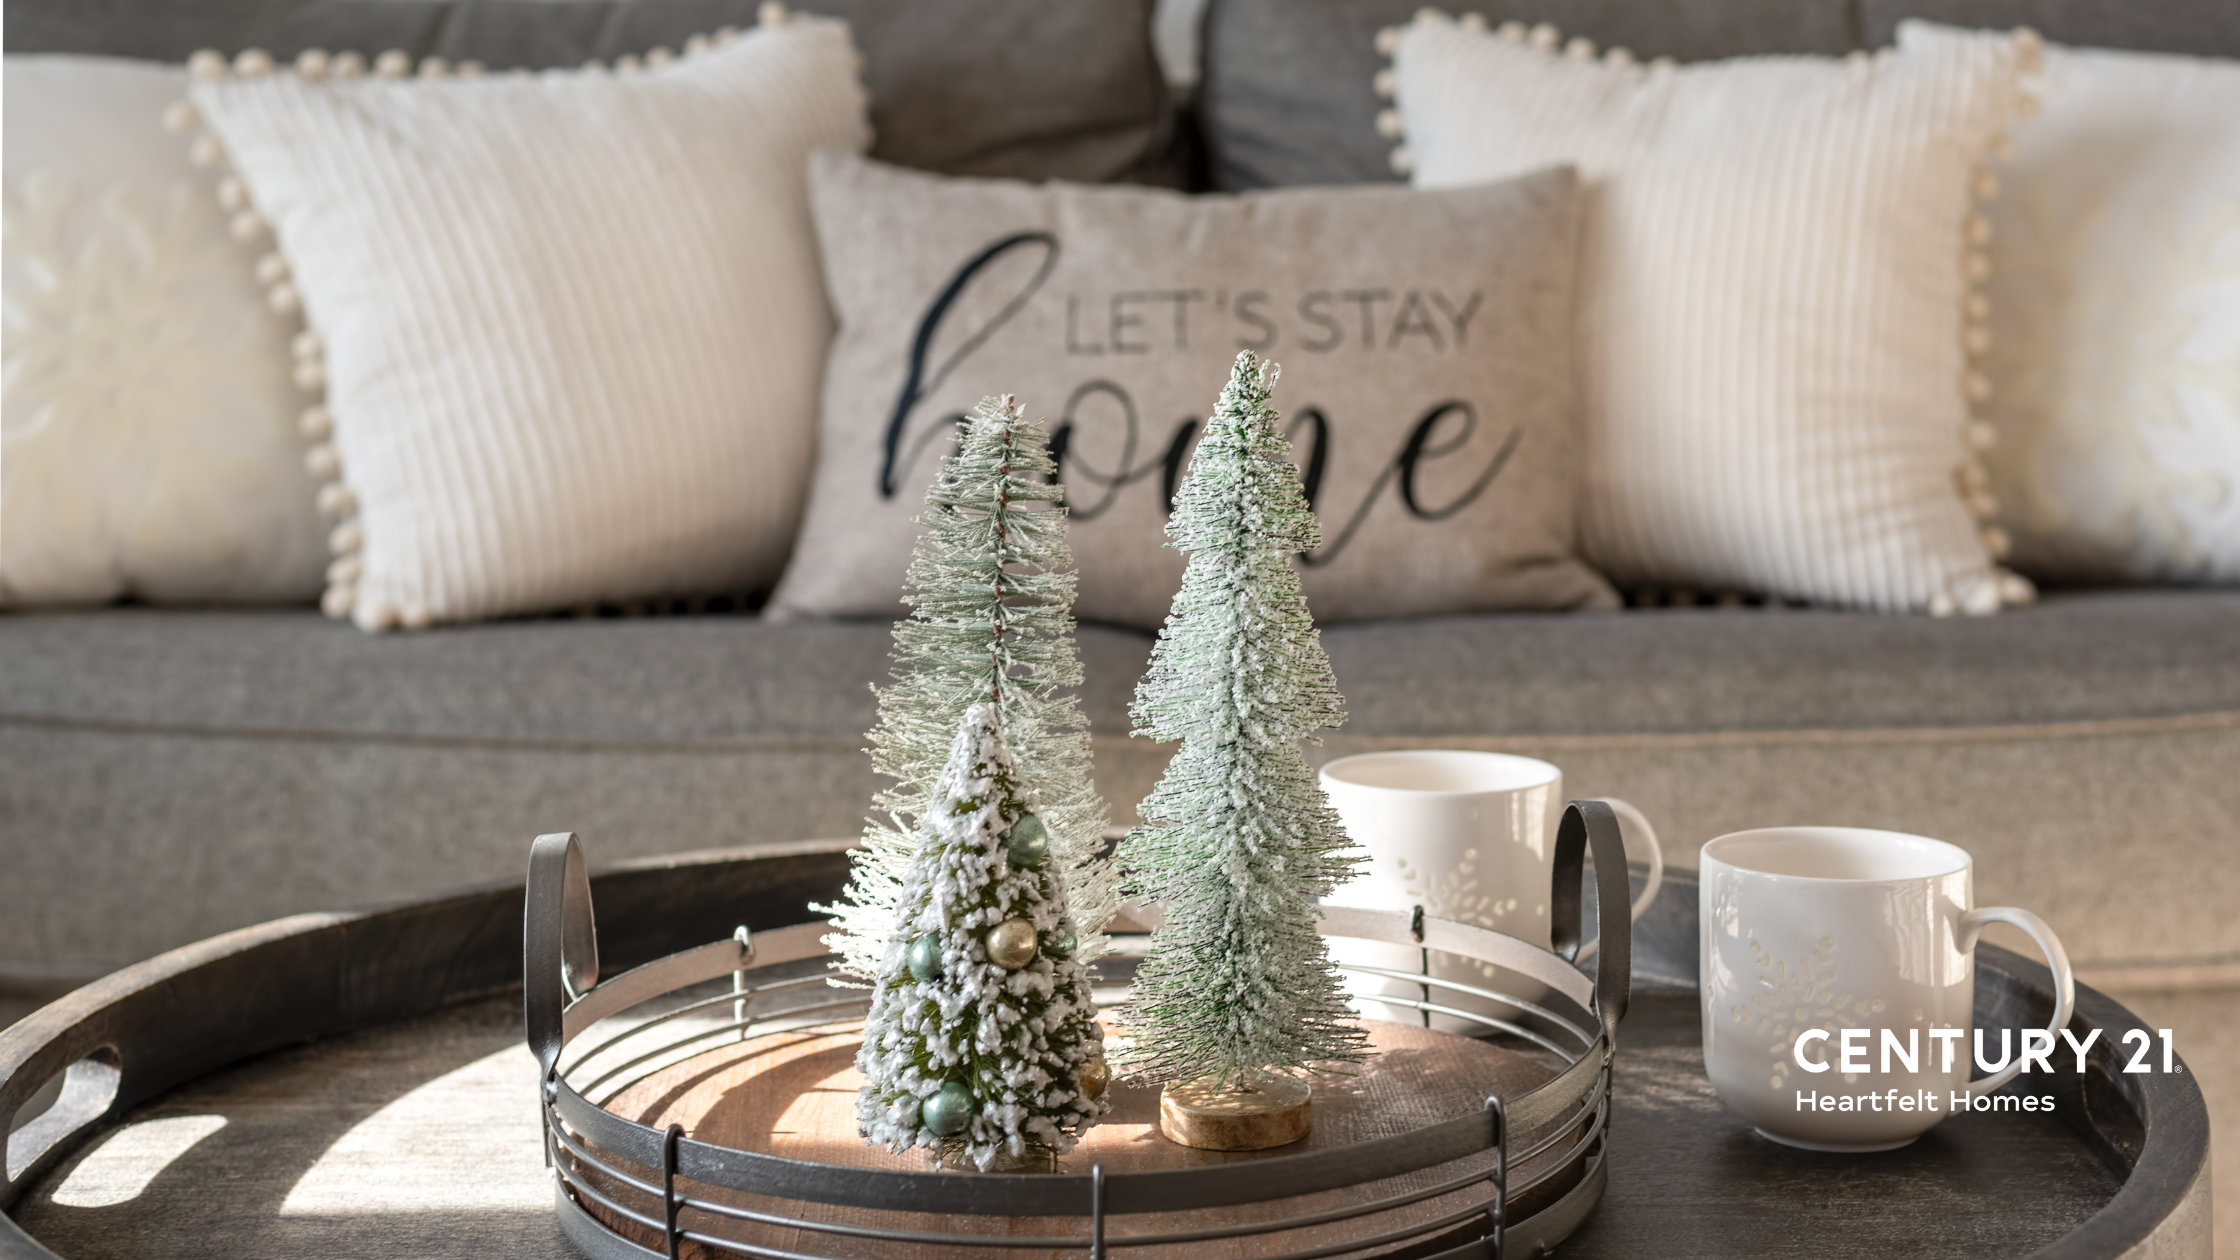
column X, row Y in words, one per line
column 1288, row 94
column 1014, row 88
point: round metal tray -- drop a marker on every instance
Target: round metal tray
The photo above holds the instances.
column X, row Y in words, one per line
column 1513, row 1174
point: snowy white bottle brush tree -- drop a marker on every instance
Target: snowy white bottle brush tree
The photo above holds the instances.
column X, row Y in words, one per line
column 982, row 1042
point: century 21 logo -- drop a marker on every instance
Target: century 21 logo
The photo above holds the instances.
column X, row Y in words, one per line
column 1850, row 1049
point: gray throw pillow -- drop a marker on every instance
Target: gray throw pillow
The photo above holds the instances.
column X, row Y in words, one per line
column 1287, row 93
column 1425, row 340
column 1018, row 88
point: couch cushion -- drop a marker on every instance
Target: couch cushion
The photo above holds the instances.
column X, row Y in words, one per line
column 168, row 775
column 1287, row 87
column 967, row 87
column 664, row 681
column 2204, row 28
column 1288, row 93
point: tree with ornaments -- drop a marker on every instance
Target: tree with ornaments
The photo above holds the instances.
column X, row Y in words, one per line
column 982, row 1042
column 990, row 590
column 1237, row 994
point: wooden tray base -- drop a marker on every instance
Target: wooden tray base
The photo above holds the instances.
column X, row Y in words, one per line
column 794, row 1094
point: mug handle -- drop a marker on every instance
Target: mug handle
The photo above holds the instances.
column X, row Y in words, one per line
column 1586, row 824
column 2057, row 960
column 1632, row 820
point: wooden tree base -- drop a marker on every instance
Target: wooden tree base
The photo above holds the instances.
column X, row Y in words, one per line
column 1271, row 1110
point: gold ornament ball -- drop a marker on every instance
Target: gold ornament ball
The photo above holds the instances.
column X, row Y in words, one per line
column 1011, row 944
column 1094, row 1077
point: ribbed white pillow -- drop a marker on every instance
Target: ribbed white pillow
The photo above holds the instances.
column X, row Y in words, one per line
column 2115, row 317
column 569, row 325
column 1771, row 298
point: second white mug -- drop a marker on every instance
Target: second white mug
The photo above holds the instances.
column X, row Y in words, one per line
column 1839, row 983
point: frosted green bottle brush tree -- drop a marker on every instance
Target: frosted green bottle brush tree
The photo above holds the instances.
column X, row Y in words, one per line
column 990, row 590
column 1238, row 840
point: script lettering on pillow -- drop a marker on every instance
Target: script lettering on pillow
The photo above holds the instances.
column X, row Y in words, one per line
column 1426, row 377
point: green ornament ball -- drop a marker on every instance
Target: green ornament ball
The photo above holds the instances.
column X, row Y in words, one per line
column 1061, row 942
column 946, row 1110
column 1028, row 843
column 924, row 958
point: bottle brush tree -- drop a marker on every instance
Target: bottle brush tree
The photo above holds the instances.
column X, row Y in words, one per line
column 990, row 589
column 982, row 1041
column 1238, row 841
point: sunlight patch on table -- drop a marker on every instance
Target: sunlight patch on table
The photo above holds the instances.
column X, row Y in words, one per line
column 132, row 1157
column 467, row 1140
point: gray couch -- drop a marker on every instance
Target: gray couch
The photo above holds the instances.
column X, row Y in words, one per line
column 169, row 774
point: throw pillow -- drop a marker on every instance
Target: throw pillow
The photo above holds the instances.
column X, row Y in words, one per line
column 147, row 422
column 568, row 324
column 1776, row 258
column 2115, row 317
column 1424, row 341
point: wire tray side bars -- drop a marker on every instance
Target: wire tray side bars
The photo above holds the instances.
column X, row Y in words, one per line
column 610, row 1169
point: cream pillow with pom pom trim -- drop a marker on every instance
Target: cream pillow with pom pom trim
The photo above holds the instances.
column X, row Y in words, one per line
column 562, row 330
column 1780, row 315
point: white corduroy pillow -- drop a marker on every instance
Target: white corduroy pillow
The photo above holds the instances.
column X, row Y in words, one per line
column 568, row 325
column 1776, row 264
column 2115, row 317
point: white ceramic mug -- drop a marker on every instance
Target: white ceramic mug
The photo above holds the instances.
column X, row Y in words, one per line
column 1468, row 836
column 1816, row 932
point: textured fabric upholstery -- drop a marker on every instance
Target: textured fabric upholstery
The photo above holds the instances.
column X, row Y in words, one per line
column 164, row 776
column 1011, row 88
column 1288, row 95
column 1287, row 84
column 662, row 681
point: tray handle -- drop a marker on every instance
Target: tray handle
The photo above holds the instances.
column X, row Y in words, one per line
column 559, row 942
column 1592, row 823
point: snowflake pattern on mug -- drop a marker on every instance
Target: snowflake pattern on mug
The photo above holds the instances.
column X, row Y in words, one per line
column 1795, row 998
column 1456, row 895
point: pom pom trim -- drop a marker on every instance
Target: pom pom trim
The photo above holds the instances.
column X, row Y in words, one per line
column 1974, row 593
column 322, row 459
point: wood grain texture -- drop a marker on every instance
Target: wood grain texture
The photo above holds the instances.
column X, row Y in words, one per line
column 1690, row 1178
column 417, row 1137
column 415, row 1140
column 419, row 1140
column 1277, row 1112
column 795, row 1095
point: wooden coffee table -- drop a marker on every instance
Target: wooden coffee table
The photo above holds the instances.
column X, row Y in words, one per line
column 357, row 1085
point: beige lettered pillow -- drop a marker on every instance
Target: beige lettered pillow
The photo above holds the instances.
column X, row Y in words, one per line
column 1427, row 377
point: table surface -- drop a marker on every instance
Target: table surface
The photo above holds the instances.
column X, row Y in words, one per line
column 419, row 1139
